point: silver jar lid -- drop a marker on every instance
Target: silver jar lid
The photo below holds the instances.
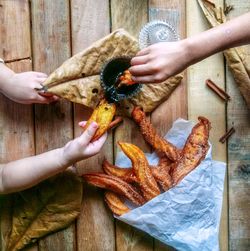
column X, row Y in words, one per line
column 155, row 32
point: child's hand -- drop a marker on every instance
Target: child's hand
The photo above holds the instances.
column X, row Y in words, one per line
column 20, row 87
column 81, row 147
column 160, row 61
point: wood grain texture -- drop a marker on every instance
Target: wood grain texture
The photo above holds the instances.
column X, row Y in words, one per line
column 131, row 15
column 16, row 141
column 162, row 118
column 238, row 116
column 95, row 226
column 16, row 120
column 53, row 123
column 14, row 29
column 202, row 101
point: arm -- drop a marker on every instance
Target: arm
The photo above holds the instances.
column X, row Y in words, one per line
column 20, row 87
column 160, row 61
column 27, row 172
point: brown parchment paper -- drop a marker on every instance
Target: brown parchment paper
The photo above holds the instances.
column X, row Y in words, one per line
column 237, row 59
column 77, row 79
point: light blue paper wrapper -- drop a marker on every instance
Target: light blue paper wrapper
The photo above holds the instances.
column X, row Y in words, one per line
column 187, row 216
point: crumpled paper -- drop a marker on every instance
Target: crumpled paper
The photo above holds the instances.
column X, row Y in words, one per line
column 187, row 216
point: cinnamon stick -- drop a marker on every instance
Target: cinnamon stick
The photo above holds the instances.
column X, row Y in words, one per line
column 220, row 92
column 227, row 135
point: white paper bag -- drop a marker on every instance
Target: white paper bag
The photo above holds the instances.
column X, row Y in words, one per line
column 187, row 216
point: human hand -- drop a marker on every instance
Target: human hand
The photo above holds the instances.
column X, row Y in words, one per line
column 82, row 147
column 160, row 61
column 21, row 88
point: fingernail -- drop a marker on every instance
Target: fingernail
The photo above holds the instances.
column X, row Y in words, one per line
column 82, row 123
column 94, row 125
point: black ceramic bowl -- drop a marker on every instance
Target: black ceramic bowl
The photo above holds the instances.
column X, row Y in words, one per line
column 110, row 74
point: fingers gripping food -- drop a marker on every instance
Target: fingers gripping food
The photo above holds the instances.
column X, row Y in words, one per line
column 194, row 151
column 115, row 203
column 116, row 185
column 142, row 170
column 103, row 115
column 162, row 146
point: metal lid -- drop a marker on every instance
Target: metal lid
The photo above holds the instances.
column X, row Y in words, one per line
column 155, row 32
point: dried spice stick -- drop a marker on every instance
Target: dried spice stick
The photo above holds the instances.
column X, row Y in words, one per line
column 220, row 92
column 227, row 135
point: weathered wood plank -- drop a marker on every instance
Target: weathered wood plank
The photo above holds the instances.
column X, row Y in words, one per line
column 95, row 226
column 15, row 26
column 238, row 155
column 16, row 141
column 201, row 101
column 162, row 118
column 131, row 15
column 16, row 120
column 53, row 123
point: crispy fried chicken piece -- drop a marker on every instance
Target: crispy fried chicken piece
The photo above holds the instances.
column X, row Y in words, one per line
column 194, row 151
column 141, row 170
column 161, row 146
column 126, row 174
column 116, row 185
column 160, row 172
column 115, row 204
column 126, row 79
column 103, row 115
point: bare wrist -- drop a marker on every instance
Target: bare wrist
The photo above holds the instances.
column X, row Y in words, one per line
column 189, row 51
column 63, row 161
column 5, row 76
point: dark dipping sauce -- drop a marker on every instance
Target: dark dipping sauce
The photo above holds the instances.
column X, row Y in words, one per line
column 110, row 75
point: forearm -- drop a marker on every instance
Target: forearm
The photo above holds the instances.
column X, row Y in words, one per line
column 230, row 34
column 27, row 172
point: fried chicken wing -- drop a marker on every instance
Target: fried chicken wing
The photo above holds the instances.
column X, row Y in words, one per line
column 141, row 170
column 194, row 151
column 115, row 204
column 161, row 146
column 116, row 185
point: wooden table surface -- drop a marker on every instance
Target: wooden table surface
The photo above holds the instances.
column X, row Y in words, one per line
column 41, row 34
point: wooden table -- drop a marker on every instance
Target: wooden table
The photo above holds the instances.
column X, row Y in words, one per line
column 41, row 34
